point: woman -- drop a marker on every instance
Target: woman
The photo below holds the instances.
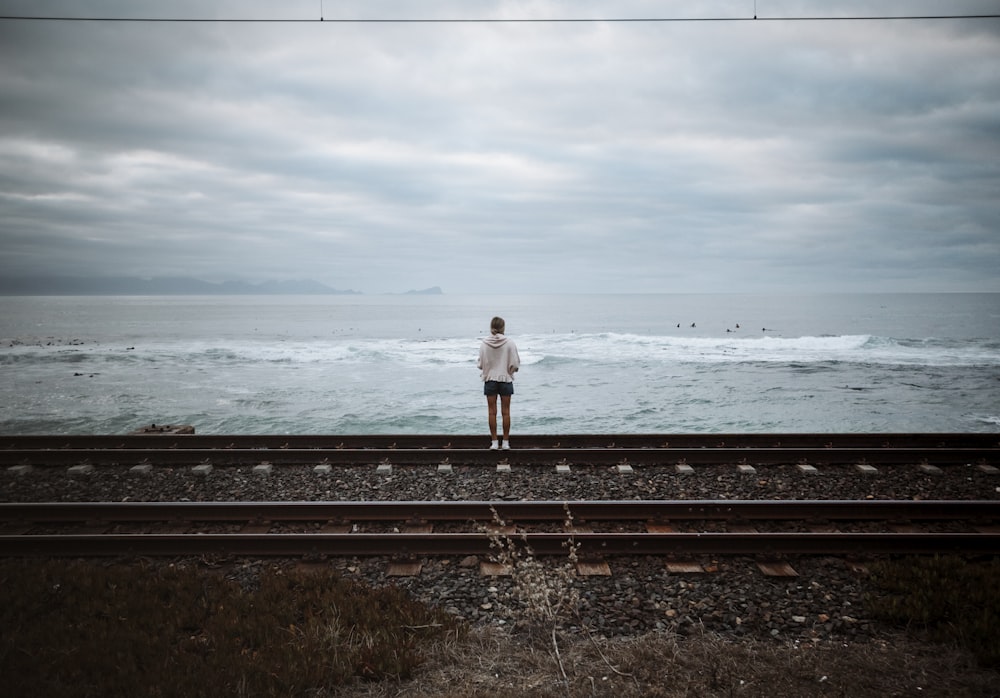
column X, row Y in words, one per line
column 498, row 361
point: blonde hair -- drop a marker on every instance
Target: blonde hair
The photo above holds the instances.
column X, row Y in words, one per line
column 497, row 325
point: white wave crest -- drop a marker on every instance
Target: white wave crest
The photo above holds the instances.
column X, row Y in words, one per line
column 554, row 349
column 612, row 347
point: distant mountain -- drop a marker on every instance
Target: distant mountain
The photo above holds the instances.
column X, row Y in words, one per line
column 432, row 291
column 158, row 286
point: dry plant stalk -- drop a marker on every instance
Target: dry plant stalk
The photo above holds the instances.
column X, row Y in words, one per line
column 547, row 595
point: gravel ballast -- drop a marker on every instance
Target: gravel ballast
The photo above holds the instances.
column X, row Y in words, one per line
column 731, row 597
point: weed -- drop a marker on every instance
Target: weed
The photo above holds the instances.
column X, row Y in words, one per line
column 546, row 595
column 83, row 628
column 952, row 599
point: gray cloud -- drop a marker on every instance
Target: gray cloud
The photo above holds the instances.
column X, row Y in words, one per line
column 532, row 157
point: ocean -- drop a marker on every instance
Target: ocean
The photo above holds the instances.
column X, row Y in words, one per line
column 590, row 363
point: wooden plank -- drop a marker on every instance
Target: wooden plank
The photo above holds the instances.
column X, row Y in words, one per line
column 777, row 569
column 404, row 569
column 593, row 568
column 659, row 528
column 685, row 568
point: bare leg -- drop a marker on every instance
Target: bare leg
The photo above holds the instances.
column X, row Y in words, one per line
column 505, row 412
column 491, row 405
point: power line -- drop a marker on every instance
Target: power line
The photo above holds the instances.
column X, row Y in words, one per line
column 493, row 20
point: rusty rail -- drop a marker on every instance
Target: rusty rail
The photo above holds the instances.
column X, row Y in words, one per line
column 580, row 449
column 520, row 456
column 546, row 543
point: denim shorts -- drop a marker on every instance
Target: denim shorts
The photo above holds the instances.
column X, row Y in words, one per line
column 498, row 388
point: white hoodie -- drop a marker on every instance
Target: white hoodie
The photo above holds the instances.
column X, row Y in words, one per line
column 498, row 359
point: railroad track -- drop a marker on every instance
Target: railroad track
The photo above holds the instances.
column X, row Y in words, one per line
column 653, row 527
column 531, row 450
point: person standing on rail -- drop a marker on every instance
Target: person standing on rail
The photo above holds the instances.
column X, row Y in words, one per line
column 498, row 361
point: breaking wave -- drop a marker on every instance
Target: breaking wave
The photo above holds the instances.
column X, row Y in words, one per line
column 549, row 350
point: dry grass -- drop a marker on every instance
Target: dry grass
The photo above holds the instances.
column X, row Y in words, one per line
column 491, row 663
column 949, row 599
column 545, row 658
column 93, row 629
column 88, row 629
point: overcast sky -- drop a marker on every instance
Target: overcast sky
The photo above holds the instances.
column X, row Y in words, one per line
column 523, row 157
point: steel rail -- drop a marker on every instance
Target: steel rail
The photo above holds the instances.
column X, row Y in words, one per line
column 526, row 441
column 551, row 510
column 411, row 544
column 520, row 457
